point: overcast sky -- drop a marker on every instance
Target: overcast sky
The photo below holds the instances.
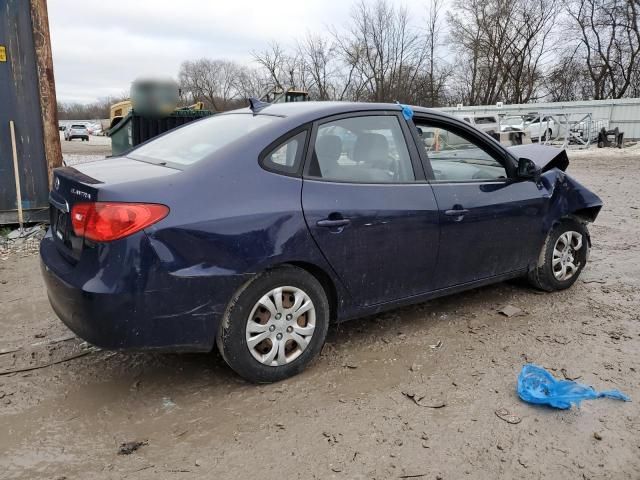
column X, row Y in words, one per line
column 100, row 47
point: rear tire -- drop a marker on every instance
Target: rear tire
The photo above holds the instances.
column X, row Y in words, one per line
column 563, row 256
column 275, row 325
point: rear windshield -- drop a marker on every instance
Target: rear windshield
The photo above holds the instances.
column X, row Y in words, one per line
column 195, row 141
column 78, row 126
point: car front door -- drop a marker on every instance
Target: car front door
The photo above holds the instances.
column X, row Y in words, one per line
column 369, row 207
column 491, row 222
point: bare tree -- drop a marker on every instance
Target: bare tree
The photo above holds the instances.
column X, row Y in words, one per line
column 283, row 69
column 610, row 42
column 100, row 109
column 479, row 35
column 568, row 80
column 504, row 50
column 530, row 49
column 384, row 52
column 211, row 81
column 503, row 46
column 319, row 64
column 251, row 82
column 437, row 70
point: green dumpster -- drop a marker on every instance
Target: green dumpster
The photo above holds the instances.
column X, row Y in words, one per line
column 135, row 129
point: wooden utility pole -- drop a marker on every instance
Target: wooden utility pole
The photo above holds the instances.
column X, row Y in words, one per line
column 46, row 83
column 29, row 138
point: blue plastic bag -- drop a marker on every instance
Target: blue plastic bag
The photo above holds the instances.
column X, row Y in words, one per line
column 536, row 385
column 407, row 111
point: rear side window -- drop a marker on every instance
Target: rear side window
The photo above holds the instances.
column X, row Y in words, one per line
column 196, row 141
column 369, row 149
column 286, row 157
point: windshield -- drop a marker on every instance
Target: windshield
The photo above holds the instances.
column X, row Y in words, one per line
column 195, row 141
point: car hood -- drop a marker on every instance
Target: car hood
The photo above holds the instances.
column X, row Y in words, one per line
column 544, row 156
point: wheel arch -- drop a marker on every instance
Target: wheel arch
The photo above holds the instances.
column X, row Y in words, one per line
column 587, row 214
column 580, row 216
column 325, row 280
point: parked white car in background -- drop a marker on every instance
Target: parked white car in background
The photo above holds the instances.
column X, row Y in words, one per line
column 77, row 131
column 539, row 128
column 486, row 123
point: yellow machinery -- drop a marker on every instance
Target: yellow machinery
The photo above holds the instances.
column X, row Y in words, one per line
column 151, row 111
column 118, row 112
column 195, row 106
column 121, row 109
column 286, row 96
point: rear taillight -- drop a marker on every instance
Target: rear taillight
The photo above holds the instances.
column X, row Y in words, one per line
column 107, row 221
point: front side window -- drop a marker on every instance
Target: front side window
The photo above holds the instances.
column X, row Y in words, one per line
column 455, row 158
column 369, row 149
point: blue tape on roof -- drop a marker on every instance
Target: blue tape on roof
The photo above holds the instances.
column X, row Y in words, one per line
column 407, row 111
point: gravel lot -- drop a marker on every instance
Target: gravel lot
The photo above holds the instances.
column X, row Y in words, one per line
column 77, row 151
column 346, row 416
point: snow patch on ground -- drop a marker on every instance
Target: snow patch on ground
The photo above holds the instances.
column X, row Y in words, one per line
column 608, row 152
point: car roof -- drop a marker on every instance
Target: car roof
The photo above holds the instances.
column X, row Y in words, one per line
column 308, row 111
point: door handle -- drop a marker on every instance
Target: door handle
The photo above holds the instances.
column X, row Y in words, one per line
column 341, row 222
column 456, row 212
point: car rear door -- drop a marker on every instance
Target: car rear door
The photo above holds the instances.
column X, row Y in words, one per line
column 369, row 207
column 491, row 223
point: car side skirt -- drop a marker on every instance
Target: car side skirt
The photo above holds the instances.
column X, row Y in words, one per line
column 415, row 299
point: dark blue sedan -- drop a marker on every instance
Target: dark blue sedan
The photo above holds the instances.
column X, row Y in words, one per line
column 254, row 229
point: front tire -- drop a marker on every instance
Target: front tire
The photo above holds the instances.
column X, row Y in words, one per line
column 563, row 256
column 275, row 325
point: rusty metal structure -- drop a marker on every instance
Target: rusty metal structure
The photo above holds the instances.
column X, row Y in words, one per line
column 29, row 139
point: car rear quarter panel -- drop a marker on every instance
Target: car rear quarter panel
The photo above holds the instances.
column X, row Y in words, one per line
column 229, row 220
column 127, row 301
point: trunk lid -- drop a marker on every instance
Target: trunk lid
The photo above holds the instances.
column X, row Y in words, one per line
column 90, row 182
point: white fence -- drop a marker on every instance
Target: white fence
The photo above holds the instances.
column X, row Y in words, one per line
column 623, row 114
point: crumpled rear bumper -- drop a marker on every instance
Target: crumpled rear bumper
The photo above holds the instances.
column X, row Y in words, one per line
column 165, row 314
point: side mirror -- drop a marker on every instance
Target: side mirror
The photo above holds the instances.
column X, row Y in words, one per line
column 527, row 169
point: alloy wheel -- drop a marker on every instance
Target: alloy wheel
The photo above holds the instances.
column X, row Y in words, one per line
column 565, row 262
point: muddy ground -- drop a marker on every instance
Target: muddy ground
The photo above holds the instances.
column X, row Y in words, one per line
column 346, row 416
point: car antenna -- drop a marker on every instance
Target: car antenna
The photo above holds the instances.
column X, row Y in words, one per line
column 256, row 105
